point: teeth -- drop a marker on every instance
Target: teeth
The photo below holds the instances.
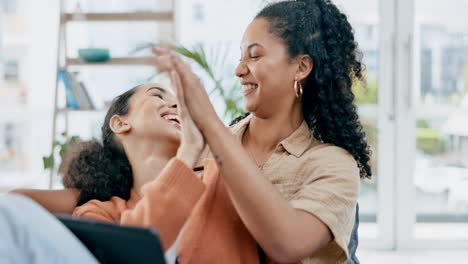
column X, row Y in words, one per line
column 247, row 87
column 171, row 117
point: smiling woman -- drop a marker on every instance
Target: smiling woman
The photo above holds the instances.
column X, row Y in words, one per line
column 293, row 165
column 101, row 171
column 143, row 175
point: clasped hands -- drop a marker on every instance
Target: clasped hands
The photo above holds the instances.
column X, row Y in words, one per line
column 195, row 109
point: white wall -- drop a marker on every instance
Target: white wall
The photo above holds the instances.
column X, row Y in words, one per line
column 42, row 24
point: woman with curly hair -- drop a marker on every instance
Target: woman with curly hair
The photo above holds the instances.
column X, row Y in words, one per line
column 294, row 164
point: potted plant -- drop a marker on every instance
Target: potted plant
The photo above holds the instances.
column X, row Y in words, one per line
column 60, row 148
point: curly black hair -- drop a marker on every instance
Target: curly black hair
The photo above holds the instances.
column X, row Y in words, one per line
column 317, row 28
column 101, row 171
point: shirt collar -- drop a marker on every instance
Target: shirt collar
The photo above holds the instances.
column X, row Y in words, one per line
column 298, row 142
column 239, row 128
column 295, row 144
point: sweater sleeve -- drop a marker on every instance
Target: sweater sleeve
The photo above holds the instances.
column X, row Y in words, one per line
column 166, row 202
column 108, row 211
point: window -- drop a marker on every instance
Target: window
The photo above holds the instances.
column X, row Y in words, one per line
column 441, row 122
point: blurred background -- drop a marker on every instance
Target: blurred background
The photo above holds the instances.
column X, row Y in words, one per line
column 414, row 107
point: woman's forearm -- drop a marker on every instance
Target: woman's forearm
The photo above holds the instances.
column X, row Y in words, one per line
column 55, row 201
column 286, row 234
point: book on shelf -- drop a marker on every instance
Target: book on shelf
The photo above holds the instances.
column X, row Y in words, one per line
column 70, row 99
column 77, row 95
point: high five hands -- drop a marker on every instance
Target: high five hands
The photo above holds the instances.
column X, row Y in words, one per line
column 195, row 97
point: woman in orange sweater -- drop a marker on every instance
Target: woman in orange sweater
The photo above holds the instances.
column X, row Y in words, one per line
column 143, row 173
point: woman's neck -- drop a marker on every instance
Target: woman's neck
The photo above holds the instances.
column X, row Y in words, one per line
column 148, row 159
column 265, row 134
column 147, row 170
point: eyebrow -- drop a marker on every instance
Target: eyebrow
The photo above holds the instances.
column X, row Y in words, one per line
column 253, row 45
column 157, row 88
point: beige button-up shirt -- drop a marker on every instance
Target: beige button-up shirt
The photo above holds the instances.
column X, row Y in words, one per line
column 321, row 179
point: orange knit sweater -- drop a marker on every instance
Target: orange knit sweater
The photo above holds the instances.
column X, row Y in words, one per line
column 212, row 230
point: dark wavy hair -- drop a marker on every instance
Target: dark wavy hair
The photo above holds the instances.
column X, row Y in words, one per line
column 317, row 28
column 101, row 170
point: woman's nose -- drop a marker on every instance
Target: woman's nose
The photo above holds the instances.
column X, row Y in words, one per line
column 241, row 69
column 171, row 102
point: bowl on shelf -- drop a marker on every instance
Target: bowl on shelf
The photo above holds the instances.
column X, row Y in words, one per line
column 94, row 55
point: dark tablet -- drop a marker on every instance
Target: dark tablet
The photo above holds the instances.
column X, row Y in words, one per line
column 114, row 244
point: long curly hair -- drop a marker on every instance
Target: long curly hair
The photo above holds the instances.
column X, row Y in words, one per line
column 101, row 170
column 317, row 28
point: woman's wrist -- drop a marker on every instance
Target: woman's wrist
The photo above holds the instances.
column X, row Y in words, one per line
column 213, row 128
column 210, row 126
column 188, row 155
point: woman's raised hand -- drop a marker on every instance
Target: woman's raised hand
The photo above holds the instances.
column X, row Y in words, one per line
column 197, row 102
column 192, row 142
column 163, row 58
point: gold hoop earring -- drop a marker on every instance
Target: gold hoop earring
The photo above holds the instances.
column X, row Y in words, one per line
column 298, row 88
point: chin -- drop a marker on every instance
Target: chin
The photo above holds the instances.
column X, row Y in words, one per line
column 177, row 137
column 250, row 107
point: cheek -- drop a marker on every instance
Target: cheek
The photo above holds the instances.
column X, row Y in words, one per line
column 260, row 72
column 151, row 107
column 148, row 115
column 269, row 70
column 274, row 79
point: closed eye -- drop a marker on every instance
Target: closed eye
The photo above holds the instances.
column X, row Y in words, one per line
column 158, row 95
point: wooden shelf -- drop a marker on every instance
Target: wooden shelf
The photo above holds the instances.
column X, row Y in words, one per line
column 138, row 16
column 127, row 61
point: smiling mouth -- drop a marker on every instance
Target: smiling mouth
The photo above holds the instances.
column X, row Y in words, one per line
column 249, row 88
column 172, row 118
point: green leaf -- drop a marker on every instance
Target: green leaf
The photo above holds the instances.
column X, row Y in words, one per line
column 48, row 162
column 74, row 139
column 62, row 151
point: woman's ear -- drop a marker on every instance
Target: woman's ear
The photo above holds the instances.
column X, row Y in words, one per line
column 305, row 67
column 119, row 125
